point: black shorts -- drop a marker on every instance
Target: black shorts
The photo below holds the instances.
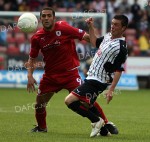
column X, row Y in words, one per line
column 89, row 90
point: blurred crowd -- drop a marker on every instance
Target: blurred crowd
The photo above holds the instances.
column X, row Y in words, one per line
column 137, row 34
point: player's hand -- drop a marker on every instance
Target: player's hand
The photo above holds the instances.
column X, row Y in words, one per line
column 31, row 83
column 109, row 96
column 89, row 21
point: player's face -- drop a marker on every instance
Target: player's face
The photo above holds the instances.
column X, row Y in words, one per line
column 47, row 19
column 116, row 28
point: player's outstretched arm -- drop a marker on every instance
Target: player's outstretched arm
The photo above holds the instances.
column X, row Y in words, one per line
column 30, row 66
column 92, row 34
column 86, row 37
column 109, row 94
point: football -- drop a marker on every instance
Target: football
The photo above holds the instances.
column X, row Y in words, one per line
column 27, row 22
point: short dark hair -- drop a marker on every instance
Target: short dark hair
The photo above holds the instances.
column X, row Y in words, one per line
column 124, row 20
column 48, row 8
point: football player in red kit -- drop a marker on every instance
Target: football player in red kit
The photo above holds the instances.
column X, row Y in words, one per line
column 56, row 43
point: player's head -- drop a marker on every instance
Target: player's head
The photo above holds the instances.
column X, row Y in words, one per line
column 118, row 25
column 47, row 16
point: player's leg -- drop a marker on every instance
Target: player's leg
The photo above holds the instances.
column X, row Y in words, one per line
column 77, row 106
column 111, row 127
column 96, row 108
column 86, row 94
column 74, row 82
column 74, row 102
column 46, row 90
column 40, row 111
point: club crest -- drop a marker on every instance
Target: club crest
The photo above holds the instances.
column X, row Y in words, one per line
column 58, row 33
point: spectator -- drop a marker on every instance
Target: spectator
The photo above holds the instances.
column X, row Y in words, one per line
column 112, row 4
column 147, row 11
column 143, row 25
column 136, row 11
column 129, row 15
column 123, row 6
column 1, row 5
column 23, row 6
column 144, row 43
column 25, row 46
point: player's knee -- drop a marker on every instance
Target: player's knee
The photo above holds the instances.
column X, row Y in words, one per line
column 67, row 100
column 70, row 98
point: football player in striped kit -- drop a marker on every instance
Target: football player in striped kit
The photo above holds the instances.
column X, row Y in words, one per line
column 105, row 70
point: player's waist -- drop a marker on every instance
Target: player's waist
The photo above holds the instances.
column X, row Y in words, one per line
column 101, row 80
column 60, row 70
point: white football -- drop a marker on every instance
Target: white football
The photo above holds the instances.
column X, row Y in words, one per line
column 27, row 22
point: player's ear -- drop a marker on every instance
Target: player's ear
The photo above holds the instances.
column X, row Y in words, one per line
column 124, row 28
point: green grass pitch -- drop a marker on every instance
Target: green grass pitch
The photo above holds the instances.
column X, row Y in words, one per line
column 129, row 110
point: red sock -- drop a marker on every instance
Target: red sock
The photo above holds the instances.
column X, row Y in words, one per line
column 41, row 118
column 101, row 112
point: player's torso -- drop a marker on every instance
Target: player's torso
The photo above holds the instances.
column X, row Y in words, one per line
column 54, row 40
column 58, row 48
column 107, row 52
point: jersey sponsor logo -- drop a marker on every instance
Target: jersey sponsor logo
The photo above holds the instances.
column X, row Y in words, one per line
column 51, row 45
column 58, row 33
column 99, row 52
column 43, row 38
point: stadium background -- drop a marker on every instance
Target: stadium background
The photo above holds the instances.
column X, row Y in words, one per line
column 129, row 109
column 15, row 45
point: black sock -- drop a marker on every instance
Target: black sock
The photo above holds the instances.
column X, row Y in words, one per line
column 83, row 111
column 95, row 111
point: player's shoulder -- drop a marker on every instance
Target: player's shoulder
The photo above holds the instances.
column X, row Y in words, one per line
column 119, row 41
column 121, row 44
column 38, row 34
column 60, row 23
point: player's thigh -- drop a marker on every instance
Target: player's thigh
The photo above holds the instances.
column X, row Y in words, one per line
column 88, row 91
column 73, row 82
column 70, row 98
column 48, row 84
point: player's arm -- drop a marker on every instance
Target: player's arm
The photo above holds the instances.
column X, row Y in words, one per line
column 31, row 64
column 119, row 67
column 86, row 37
column 92, row 34
column 75, row 33
column 109, row 94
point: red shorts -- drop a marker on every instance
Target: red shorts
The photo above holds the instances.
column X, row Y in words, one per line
column 55, row 82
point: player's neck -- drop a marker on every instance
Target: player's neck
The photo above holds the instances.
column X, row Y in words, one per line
column 49, row 29
column 117, row 36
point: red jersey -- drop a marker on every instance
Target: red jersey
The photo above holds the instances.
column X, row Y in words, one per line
column 57, row 47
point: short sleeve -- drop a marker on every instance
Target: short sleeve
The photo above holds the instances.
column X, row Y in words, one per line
column 98, row 41
column 121, row 57
column 74, row 33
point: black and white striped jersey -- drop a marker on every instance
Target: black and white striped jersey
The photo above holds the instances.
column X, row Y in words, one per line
column 109, row 58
